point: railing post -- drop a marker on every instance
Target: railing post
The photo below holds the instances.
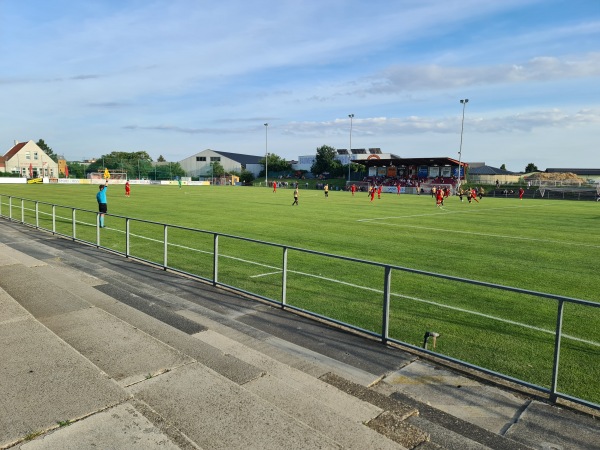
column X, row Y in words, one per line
column 37, row 215
column 385, row 320
column 10, row 208
column 557, row 339
column 166, row 246
column 127, row 237
column 215, row 259
column 53, row 219
column 22, row 211
column 97, row 229
column 284, row 277
column 74, row 226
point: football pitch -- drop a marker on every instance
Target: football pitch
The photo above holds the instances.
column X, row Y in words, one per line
column 549, row 246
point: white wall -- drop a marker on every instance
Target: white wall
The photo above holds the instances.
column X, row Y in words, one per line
column 16, row 180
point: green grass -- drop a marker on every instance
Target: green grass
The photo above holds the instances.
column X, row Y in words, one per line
column 539, row 245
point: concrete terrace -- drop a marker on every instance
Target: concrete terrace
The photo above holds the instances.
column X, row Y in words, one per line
column 99, row 351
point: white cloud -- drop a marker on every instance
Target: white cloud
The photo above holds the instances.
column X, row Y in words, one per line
column 172, row 77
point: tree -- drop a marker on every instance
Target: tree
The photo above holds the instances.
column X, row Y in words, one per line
column 275, row 163
column 246, row 177
column 76, row 170
column 135, row 164
column 325, row 160
column 161, row 158
column 503, row 167
column 531, row 167
column 47, row 150
column 168, row 171
column 217, row 169
column 354, row 168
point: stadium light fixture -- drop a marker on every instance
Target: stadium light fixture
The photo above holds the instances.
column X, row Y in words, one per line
column 462, row 127
column 266, row 152
column 350, row 148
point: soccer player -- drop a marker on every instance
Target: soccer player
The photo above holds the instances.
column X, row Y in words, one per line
column 398, row 188
column 101, row 198
column 439, row 198
column 326, row 189
column 474, row 195
column 274, row 186
column 372, row 193
column 295, row 197
column 379, row 191
column 127, row 189
column 353, row 189
column 521, row 192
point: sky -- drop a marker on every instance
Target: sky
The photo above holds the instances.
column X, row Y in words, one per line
column 176, row 77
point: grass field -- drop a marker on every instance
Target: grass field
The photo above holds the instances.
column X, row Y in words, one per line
column 540, row 245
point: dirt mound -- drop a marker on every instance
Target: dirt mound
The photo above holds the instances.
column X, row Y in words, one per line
column 556, row 177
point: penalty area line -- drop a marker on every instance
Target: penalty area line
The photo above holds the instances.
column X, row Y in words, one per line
column 265, row 274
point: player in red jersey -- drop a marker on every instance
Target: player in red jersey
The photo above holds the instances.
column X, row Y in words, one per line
column 439, row 198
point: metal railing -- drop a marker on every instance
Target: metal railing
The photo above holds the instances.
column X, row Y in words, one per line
column 365, row 288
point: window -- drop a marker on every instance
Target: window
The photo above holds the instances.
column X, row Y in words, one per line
column 200, row 158
column 27, row 155
column 35, row 155
column 215, row 158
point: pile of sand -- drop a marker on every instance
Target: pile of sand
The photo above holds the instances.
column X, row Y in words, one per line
column 556, row 177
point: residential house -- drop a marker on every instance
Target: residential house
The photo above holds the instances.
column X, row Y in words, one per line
column 26, row 159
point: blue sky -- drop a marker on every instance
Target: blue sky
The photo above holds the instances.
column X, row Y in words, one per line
column 176, row 77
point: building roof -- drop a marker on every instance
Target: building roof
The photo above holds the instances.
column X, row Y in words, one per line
column 241, row 158
column 488, row 170
column 13, row 151
column 398, row 161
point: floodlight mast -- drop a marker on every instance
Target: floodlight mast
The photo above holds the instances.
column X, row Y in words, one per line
column 266, row 153
column 462, row 127
column 350, row 148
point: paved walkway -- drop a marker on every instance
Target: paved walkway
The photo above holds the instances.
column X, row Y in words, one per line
column 98, row 351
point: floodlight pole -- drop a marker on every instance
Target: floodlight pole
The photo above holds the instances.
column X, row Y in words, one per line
column 350, row 148
column 462, row 127
column 266, row 152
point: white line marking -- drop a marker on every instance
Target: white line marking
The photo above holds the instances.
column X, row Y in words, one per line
column 473, row 233
column 416, row 299
column 265, row 274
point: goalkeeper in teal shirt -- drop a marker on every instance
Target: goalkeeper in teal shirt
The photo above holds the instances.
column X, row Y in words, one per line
column 101, row 198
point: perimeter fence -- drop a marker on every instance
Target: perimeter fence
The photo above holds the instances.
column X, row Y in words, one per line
column 541, row 341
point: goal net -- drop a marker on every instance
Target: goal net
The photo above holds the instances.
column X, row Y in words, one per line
column 361, row 186
column 113, row 175
column 567, row 193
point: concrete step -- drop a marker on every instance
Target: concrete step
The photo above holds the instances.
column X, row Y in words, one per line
column 199, row 321
column 46, row 386
column 177, row 386
column 328, row 410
